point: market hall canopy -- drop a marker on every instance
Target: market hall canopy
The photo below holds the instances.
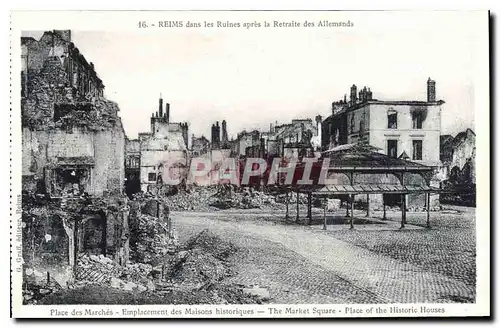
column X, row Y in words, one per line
column 364, row 171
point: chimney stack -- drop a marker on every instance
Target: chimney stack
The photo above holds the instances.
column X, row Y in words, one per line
column 224, row 133
column 431, row 90
column 160, row 107
column 167, row 112
column 369, row 95
column 353, row 94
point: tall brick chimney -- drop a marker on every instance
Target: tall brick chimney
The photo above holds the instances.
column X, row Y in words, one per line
column 431, row 90
column 167, row 112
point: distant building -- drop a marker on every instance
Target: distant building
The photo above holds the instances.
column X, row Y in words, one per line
column 164, row 150
column 296, row 139
column 247, row 143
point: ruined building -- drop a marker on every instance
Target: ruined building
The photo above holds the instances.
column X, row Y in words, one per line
column 458, row 155
column 293, row 140
column 73, row 147
column 199, row 146
column 216, row 136
column 73, row 139
column 164, row 150
column 405, row 129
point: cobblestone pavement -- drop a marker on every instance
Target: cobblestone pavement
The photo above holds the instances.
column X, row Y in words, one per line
column 448, row 248
column 303, row 265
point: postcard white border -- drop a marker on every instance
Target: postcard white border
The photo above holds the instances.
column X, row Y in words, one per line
column 123, row 20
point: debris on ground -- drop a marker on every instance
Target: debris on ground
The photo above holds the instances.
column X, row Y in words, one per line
column 96, row 268
column 203, row 260
column 194, row 275
column 151, row 240
column 259, row 292
column 210, row 243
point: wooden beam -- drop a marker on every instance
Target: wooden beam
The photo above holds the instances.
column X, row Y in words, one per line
column 309, row 208
column 367, row 205
column 347, row 206
column 324, row 213
column 286, row 203
column 383, row 204
column 428, row 201
column 297, row 218
column 403, row 210
column 352, row 212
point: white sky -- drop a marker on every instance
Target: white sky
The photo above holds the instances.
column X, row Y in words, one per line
column 255, row 77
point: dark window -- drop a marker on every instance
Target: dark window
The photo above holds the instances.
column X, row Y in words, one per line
column 152, row 177
column 392, row 148
column 392, row 120
column 417, row 150
column 352, row 123
column 416, row 120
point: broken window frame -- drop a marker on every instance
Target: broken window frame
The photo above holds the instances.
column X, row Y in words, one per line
column 417, row 149
column 416, row 120
column 392, row 119
column 393, row 147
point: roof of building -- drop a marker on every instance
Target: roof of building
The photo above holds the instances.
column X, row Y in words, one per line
column 365, row 157
column 372, row 189
column 386, row 102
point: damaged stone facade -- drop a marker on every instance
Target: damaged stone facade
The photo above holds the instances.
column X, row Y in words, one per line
column 73, row 139
column 458, row 155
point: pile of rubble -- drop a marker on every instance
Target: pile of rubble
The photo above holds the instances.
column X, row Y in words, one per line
column 247, row 198
column 214, row 198
column 151, row 240
column 37, row 285
column 96, row 269
column 192, row 199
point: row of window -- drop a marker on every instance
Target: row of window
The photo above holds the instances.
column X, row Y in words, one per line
column 417, row 148
column 392, row 121
column 416, row 120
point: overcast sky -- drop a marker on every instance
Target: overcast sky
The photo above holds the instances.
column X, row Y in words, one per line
column 255, row 77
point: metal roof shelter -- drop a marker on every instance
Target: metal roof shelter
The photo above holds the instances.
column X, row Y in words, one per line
column 356, row 160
